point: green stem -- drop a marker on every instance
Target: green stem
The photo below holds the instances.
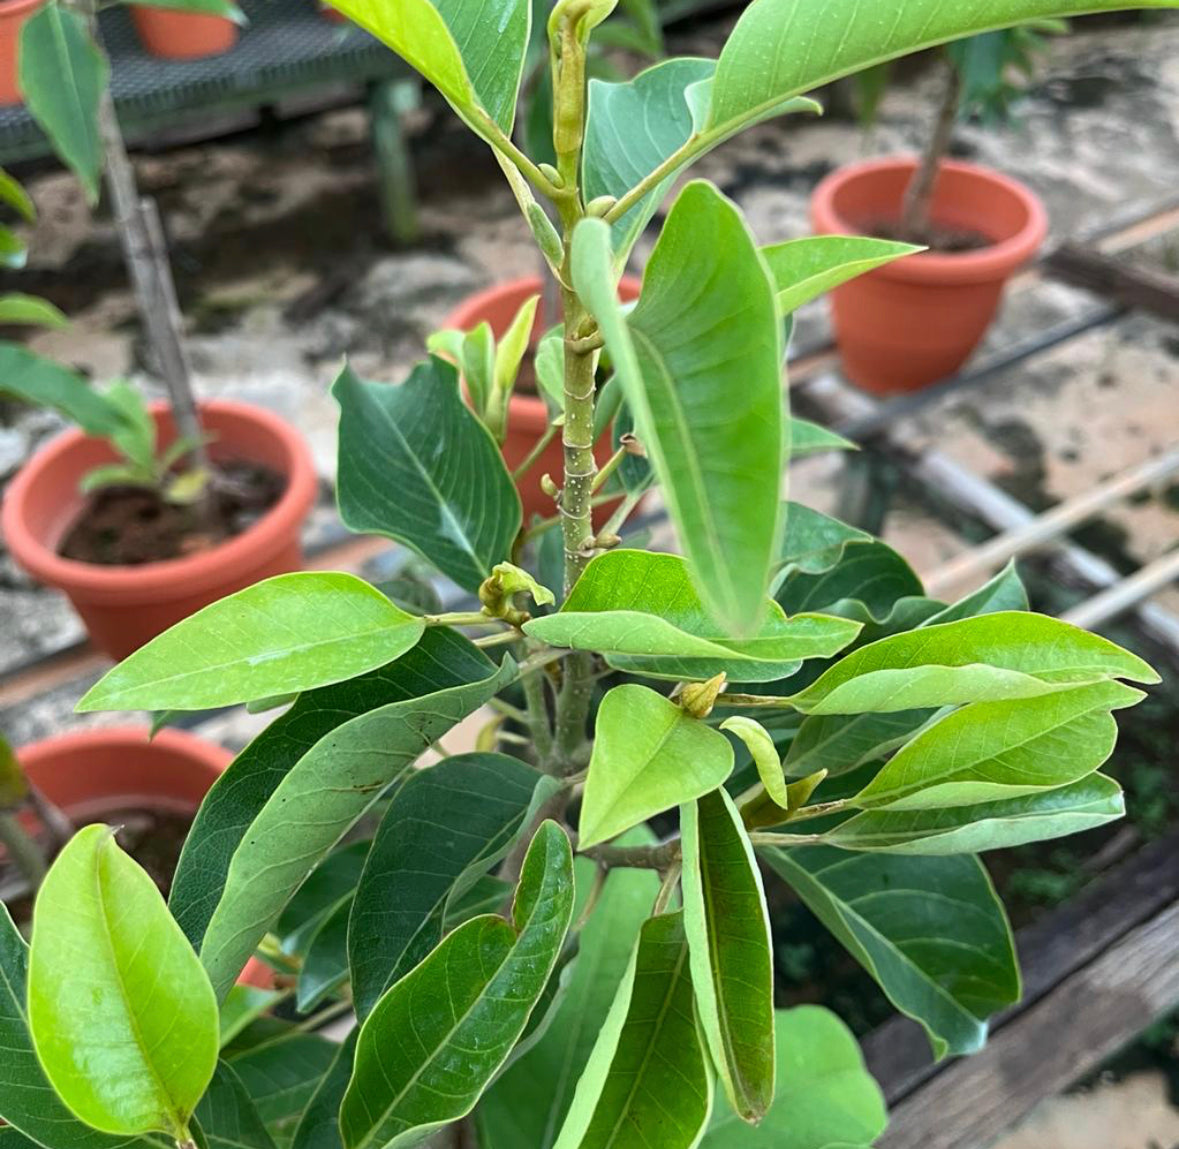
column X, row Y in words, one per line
column 818, row 810
column 785, row 841
column 612, row 464
column 537, row 716
column 546, row 525
column 755, row 701
column 661, row 857
column 622, row 512
column 550, row 433
column 22, row 849
column 461, row 618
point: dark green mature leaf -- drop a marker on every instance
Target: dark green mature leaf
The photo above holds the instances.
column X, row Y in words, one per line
column 647, row 1081
column 34, row 379
column 642, row 611
column 281, row 1077
column 728, row 931
column 989, row 825
column 1003, row 592
column 325, row 958
column 330, row 882
column 649, row 755
column 121, row 1013
column 287, row 634
column 824, row 1099
column 327, row 790
column 61, row 74
column 992, row 750
column 418, row 466
column 700, row 363
column 319, row 1127
column 804, row 269
column 466, row 1004
column 869, row 575
column 228, row 1117
column 930, row 931
column 1005, row 655
column 814, row 542
column 528, row 1103
column 444, row 828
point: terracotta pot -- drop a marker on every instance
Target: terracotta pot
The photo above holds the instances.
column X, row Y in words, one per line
column 528, row 415
column 124, row 607
column 916, row 321
column 13, row 14
column 176, row 35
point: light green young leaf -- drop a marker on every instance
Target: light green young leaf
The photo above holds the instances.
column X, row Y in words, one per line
column 643, row 612
column 513, row 580
column 227, row 1115
column 1003, row 592
column 418, row 466
column 324, row 794
column 648, row 1070
column 1009, row 654
column 824, row 1099
column 992, row 750
column 34, row 379
column 244, row 1005
column 550, row 370
column 700, row 363
column 122, row 1015
column 290, row 633
column 509, row 352
column 930, row 931
column 17, row 198
column 281, row 1076
column 648, row 756
column 728, row 931
column 467, row 1004
column 993, row 825
column 16, row 307
column 804, row 269
column 764, row 753
column 809, row 438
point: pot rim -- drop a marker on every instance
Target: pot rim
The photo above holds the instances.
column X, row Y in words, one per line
column 989, row 263
column 133, row 738
column 149, row 580
column 10, row 9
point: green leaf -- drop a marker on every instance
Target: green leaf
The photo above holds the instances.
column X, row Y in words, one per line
column 61, row 74
column 1003, row 592
column 931, row 932
column 992, row 825
column 17, row 198
column 40, row 381
column 466, row 1004
column 418, row 466
column 870, row 577
column 700, row 363
column 764, row 753
column 325, row 958
column 528, row 1103
column 282, row 1076
column 1005, row 655
column 824, row 1098
column 286, row 634
column 804, row 269
column 647, row 1081
column 327, row 790
column 319, row 1127
column 485, row 896
column 648, row 756
column 992, row 750
column 728, row 930
column 509, row 352
column 642, row 611
column 227, row 1116
column 243, row 1006
column 444, row 828
column 13, row 253
column 778, row 48
column 814, row 542
column 326, row 886
column 809, row 438
column 16, row 307
column 121, row 1013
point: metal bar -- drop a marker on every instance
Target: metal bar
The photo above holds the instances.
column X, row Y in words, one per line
column 1043, row 529
column 1129, row 592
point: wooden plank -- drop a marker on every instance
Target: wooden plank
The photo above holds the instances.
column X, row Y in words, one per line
column 1116, row 279
column 1067, row 1034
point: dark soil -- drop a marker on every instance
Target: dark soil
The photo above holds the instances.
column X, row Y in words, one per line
column 129, row 526
column 943, row 240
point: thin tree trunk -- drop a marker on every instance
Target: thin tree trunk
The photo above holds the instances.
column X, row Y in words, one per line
column 915, row 208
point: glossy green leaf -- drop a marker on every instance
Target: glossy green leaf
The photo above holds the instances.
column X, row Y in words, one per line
column 648, row 756
column 804, row 269
column 326, row 886
column 17, row 198
column 319, row 1126
column 290, row 633
column 466, row 1005
column 328, row 789
column 228, row 1117
column 325, row 958
column 991, row 750
column 122, row 1016
column 760, row 744
column 991, row 825
column 528, row 1103
column 418, row 466
column 486, row 895
column 647, row 1082
column 930, row 931
column 700, row 363
column 814, row 542
column 809, row 438
column 13, row 252
column 282, row 1076
column 34, row 379
column 243, row 1005
column 61, row 73
column 1003, row 592
column 779, row 48
column 643, row 612
column 998, row 656
column 16, row 307
column 728, row 931
column 824, row 1098
column 443, row 829
column 870, row 576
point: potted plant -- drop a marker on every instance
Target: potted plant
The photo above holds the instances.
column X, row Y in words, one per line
column 671, row 721
column 175, row 32
column 916, row 322
column 13, row 14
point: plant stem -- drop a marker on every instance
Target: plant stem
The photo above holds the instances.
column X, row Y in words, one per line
column 612, row 464
column 622, row 512
column 670, row 880
column 785, row 841
column 915, row 207
column 22, row 849
column 501, row 639
column 461, row 618
column 546, row 525
column 550, row 433
column 660, row 857
column 818, row 810
column 755, row 701
column 537, row 717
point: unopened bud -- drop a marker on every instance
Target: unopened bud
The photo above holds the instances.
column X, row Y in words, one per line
column 698, row 698
column 600, row 206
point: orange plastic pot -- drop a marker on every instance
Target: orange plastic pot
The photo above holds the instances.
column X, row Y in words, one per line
column 124, row 607
column 528, row 416
column 916, row 321
column 13, row 14
column 175, row 35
